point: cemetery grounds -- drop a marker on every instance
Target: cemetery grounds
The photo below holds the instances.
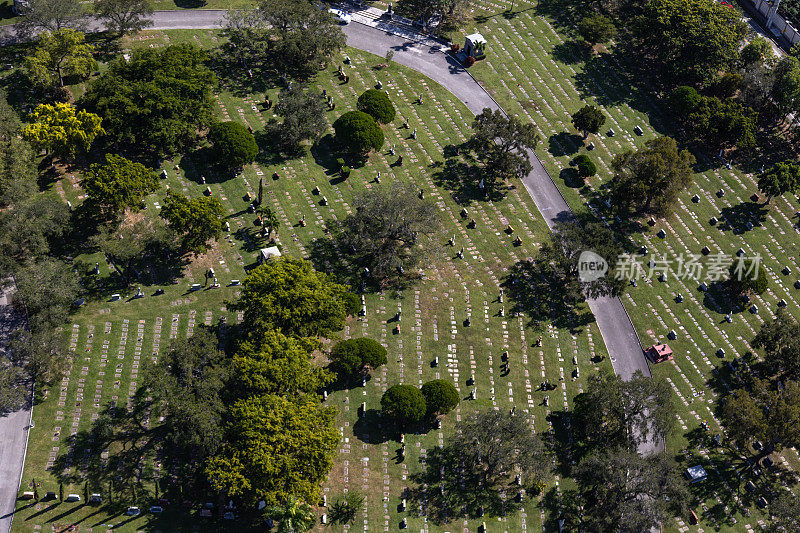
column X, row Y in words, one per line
column 536, row 72
column 109, row 340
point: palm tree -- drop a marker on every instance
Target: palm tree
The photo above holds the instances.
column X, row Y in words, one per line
column 294, row 516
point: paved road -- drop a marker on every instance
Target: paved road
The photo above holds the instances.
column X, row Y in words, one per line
column 13, row 427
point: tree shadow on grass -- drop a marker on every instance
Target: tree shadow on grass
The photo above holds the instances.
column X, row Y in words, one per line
column 571, row 178
column 533, row 291
column 737, row 217
column 571, row 52
column 460, row 177
column 719, row 300
column 564, row 143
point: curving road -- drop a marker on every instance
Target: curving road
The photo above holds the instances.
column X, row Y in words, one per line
column 426, row 58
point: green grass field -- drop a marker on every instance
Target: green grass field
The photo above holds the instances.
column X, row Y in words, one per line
column 537, row 72
column 114, row 337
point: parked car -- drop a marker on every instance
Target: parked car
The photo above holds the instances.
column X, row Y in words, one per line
column 133, row 511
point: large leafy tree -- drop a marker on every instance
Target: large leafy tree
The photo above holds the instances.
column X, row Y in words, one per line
column 287, row 293
column 549, row 287
column 47, row 288
column 453, row 12
column 157, row 102
column 276, row 447
column 12, row 386
column 405, row 404
column 135, row 246
column 177, row 412
column 596, row 29
column 649, row 179
column 390, row 232
column 303, row 115
column 588, row 119
column 617, row 413
column 441, row 396
column 59, row 54
column 273, row 363
column 358, row 133
column 52, row 15
column 357, row 356
column 377, row 104
column 779, row 340
column 62, row 130
column 724, row 123
column 690, row 40
column 501, row 145
column 300, row 37
column 476, row 470
column 125, row 16
column 619, row 490
column 233, row 144
column 764, row 412
column 41, row 354
column 17, row 169
column 786, row 84
column 118, row 184
column 779, row 179
column 27, row 230
column 196, row 220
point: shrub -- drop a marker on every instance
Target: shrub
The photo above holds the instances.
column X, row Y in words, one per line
column 358, row 132
column 376, row 103
column 352, row 356
column 596, row 29
column 585, row 166
column 345, row 171
column 469, row 61
column 404, row 403
column 440, row 397
column 233, row 144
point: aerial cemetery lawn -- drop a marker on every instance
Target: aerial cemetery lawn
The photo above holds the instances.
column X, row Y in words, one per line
column 453, row 324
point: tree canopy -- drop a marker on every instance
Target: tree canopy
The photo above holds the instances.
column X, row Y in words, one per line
column 233, row 144
column 303, row 116
column 476, row 470
column 196, row 220
column 588, row 119
column 377, row 104
column 501, row 146
column 269, row 436
column 441, row 396
column 52, row 15
column 118, row 184
column 286, row 38
column 277, row 364
column 60, row 54
column 124, row 16
column 690, row 40
column 157, row 102
column 613, row 413
column 358, row 132
column 287, row 293
column 404, row 404
column 355, row 356
column 779, row 339
column 62, row 130
column 765, row 412
column 747, row 276
column 549, row 288
column 619, row 490
column 649, row 179
column 780, row 178
column 724, row 123
column 596, row 29
column 390, row 232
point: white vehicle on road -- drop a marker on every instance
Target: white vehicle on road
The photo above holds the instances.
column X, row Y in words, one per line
column 342, row 17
